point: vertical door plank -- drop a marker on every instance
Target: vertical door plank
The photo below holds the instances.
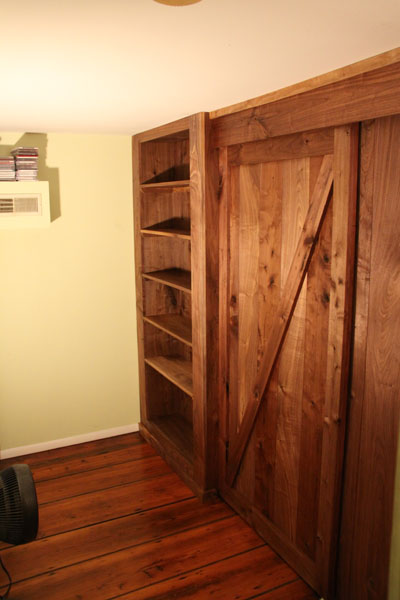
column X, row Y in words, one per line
column 374, row 416
column 234, row 210
column 314, row 381
column 349, row 563
column 382, row 382
column 248, row 280
column 339, row 345
column 224, row 290
column 271, row 191
column 249, row 194
column 295, row 203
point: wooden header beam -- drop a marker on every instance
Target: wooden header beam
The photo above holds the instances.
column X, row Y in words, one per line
column 357, row 68
column 362, row 97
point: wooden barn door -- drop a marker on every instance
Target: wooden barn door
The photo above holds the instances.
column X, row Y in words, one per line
column 287, row 268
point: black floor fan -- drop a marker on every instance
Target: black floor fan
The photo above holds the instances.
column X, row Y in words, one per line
column 18, row 509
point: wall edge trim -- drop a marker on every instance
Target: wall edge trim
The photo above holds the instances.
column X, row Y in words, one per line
column 68, row 441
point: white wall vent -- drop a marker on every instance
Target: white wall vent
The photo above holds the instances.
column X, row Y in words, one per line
column 24, row 204
column 20, row 205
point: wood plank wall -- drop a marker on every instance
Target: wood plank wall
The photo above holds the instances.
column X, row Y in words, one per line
column 372, row 99
column 373, row 420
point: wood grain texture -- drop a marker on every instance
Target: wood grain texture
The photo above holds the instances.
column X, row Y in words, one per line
column 161, row 253
column 267, row 573
column 284, row 313
column 166, row 185
column 248, row 242
column 73, row 513
column 182, row 548
column 100, row 478
column 204, row 257
column 177, row 278
column 165, row 159
column 168, row 229
column 176, row 209
column 295, row 205
column 178, row 326
column 313, row 393
column 369, row 95
column 66, row 460
column 175, row 369
column 159, row 343
column 248, row 201
column 137, row 566
column 295, row 146
column 363, row 66
column 161, row 299
column 375, row 408
column 339, row 345
column 304, row 566
column 271, row 198
column 140, row 299
column 233, row 299
column 223, row 294
column 288, row 481
column 174, row 130
column 163, row 205
column 73, row 547
column 172, row 437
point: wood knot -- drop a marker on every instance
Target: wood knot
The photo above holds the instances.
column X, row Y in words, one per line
column 325, row 298
column 234, row 321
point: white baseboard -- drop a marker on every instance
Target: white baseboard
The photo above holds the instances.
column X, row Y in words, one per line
column 69, row 441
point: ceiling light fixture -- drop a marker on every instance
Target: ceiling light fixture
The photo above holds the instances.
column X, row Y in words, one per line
column 177, row 2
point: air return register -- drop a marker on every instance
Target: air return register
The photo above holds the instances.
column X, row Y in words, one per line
column 24, row 204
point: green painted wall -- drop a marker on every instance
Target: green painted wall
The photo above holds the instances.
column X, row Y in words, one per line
column 68, row 352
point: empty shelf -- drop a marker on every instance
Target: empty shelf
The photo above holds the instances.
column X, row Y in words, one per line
column 166, row 185
column 176, row 227
column 175, row 369
column 177, row 326
column 177, row 278
column 177, row 431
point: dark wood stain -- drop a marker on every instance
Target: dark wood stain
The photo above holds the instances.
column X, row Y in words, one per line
column 116, row 522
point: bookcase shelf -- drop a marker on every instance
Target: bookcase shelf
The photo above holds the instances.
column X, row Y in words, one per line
column 177, row 370
column 173, row 209
column 178, row 326
column 177, row 227
column 173, row 429
column 176, row 278
column 166, row 185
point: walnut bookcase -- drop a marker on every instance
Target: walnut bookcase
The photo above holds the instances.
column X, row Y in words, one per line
column 176, row 247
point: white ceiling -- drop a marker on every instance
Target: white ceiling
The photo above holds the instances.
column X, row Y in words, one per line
column 122, row 66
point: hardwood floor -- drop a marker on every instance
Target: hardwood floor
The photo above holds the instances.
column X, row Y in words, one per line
column 116, row 522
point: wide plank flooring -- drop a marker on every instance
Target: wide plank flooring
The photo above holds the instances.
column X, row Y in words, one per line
column 116, row 522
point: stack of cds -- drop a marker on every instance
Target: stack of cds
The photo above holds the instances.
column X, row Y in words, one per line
column 26, row 163
column 7, row 168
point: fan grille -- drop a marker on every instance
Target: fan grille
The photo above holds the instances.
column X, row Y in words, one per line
column 18, row 505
